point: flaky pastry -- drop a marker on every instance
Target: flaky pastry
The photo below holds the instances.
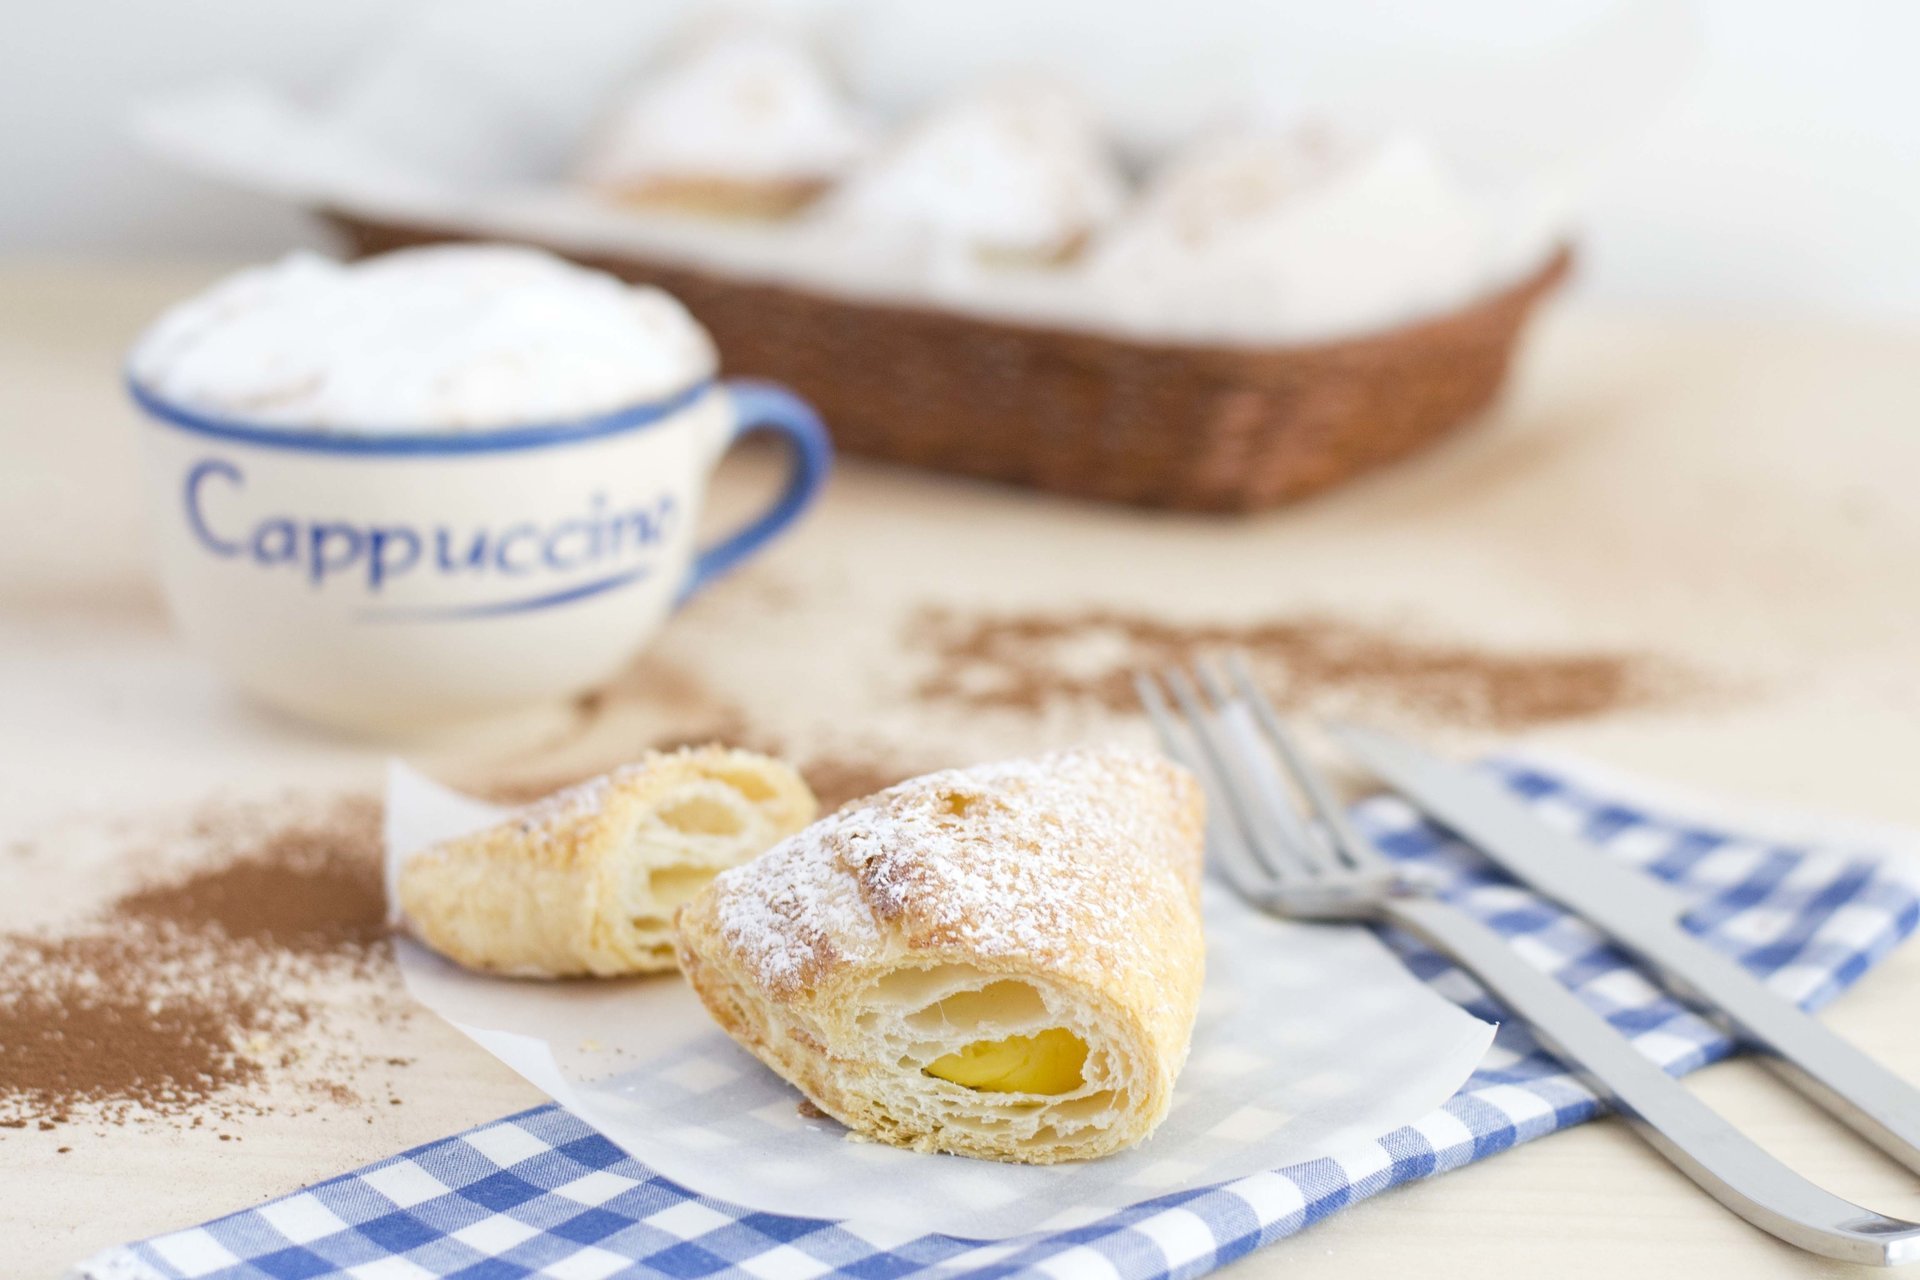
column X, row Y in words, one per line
column 1001, row 961
column 587, row 880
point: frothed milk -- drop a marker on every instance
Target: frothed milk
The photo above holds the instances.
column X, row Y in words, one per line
column 448, row 338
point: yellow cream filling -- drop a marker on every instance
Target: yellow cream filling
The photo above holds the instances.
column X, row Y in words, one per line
column 1051, row 1061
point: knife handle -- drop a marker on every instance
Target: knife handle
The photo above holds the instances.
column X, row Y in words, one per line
column 1863, row 1094
column 1694, row 1137
column 1642, row 916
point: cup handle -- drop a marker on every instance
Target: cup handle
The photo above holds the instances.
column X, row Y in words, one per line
column 763, row 406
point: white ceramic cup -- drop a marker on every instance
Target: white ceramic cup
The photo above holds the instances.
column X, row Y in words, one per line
column 400, row 583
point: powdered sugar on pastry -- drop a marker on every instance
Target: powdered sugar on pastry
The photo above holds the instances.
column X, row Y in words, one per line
column 1293, row 234
column 448, row 338
column 746, row 105
column 1002, row 883
column 1016, row 172
column 1000, row 961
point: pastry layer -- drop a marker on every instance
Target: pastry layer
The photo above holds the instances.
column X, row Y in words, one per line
column 587, row 880
column 1001, row 961
column 768, row 198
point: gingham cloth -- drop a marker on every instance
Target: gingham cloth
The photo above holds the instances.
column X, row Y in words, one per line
column 541, row 1194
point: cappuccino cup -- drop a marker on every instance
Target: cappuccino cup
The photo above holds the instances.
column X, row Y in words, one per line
column 443, row 486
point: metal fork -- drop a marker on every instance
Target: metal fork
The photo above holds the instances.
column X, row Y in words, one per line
column 1316, row 866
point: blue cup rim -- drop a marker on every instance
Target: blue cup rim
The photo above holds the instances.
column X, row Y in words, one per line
column 415, row 442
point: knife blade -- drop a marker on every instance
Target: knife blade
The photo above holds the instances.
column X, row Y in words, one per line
column 1643, row 917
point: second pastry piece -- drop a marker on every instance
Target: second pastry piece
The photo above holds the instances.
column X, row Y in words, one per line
column 1001, row 961
column 587, row 880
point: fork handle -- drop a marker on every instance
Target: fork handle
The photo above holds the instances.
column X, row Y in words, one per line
column 1694, row 1137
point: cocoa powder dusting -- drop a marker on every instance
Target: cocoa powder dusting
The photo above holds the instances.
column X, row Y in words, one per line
column 312, row 887
column 1031, row 662
column 114, row 1022
column 180, row 997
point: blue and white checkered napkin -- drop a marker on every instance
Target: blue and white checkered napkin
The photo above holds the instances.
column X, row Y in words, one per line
column 541, row 1194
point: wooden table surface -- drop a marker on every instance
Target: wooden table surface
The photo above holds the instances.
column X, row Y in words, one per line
column 1734, row 496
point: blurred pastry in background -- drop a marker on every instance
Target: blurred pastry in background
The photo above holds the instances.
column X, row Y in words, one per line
column 1015, row 174
column 739, row 122
column 587, row 880
column 1293, row 233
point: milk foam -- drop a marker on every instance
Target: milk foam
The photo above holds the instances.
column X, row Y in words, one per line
column 447, row 338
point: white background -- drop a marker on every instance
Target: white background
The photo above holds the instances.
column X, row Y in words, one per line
column 1783, row 175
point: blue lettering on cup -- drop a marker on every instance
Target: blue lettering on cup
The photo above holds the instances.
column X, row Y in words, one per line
column 451, row 560
column 196, row 478
column 550, row 549
column 381, row 544
column 503, row 550
column 344, row 538
column 333, row 552
column 275, row 542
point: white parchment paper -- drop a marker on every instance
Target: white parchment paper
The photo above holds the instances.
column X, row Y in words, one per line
column 1309, row 1037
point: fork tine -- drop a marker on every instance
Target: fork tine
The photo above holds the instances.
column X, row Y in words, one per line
column 1352, row 848
column 1272, row 843
column 1261, row 773
column 1227, row 850
column 1212, row 770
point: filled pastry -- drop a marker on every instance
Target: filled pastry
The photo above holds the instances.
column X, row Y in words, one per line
column 1303, row 231
column 743, row 123
column 1001, row 961
column 1015, row 174
column 587, row 880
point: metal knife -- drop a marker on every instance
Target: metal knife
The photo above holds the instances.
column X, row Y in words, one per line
column 1643, row 917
